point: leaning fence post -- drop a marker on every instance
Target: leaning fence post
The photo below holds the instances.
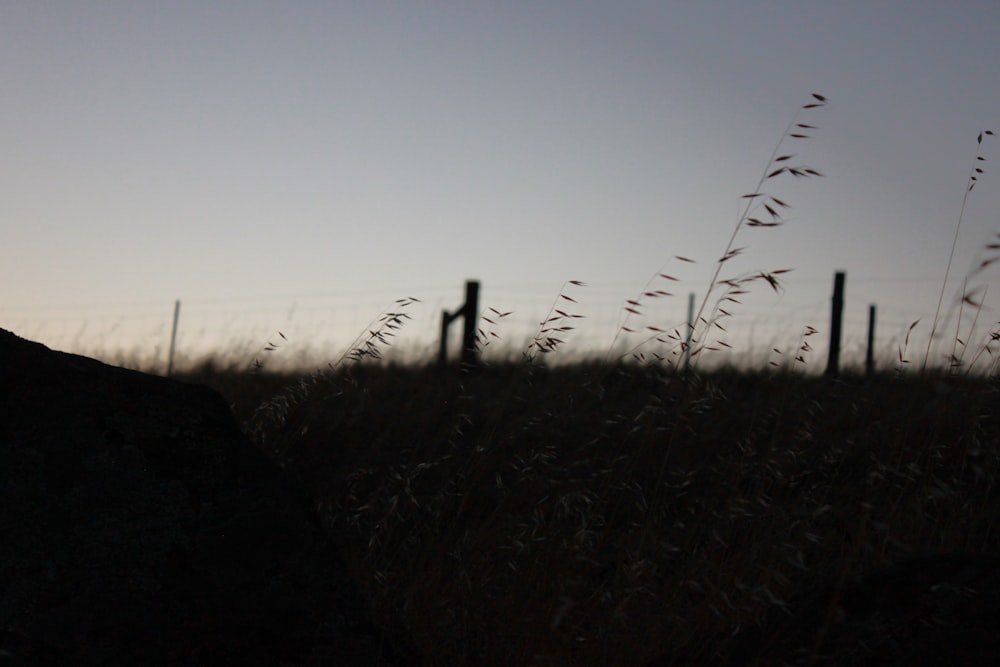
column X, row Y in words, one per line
column 836, row 323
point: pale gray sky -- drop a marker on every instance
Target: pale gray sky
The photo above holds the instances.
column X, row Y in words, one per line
column 298, row 165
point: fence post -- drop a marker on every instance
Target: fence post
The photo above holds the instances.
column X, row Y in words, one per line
column 870, row 353
column 690, row 331
column 446, row 319
column 469, row 312
column 836, row 323
column 173, row 338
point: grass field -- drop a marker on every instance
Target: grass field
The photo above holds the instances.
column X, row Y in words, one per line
column 611, row 515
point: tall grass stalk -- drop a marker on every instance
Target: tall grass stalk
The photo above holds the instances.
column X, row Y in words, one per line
column 758, row 199
column 273, row 425
column 759, row 209
column 547, row 338
column 973, row 179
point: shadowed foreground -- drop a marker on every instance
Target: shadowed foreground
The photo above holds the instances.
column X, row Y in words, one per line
column 596, row 515
column 517, row 515
column 140, row 527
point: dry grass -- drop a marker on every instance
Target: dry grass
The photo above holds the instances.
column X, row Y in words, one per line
column 592, row 516
column 682, row 344
column 974, row 175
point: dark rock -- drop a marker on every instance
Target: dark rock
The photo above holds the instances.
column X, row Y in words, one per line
column 140, row 526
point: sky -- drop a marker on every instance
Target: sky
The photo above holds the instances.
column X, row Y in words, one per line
column 298, row 166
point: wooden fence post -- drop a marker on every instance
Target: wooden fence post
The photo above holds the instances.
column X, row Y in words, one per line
column 690, row 332
column 470, row 315
column 469, row 312
column 173, row 338
column 446, row 319
column 836, row 323
column 870, row 353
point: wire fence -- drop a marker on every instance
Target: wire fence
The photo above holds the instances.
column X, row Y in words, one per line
column 320, row 328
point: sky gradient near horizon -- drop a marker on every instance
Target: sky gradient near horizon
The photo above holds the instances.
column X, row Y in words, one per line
column 288, row 166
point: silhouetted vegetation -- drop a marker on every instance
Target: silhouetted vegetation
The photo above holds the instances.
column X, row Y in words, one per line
column 597, row 514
